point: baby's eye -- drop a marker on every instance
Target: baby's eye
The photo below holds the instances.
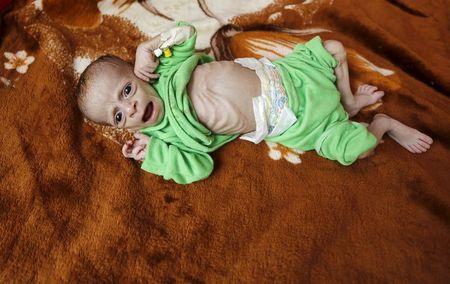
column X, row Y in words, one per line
column 118, row 118
column 127, row 90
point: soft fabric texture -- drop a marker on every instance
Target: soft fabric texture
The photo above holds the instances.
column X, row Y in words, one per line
column 72, row 209
column 180, row 144
column 322, row 123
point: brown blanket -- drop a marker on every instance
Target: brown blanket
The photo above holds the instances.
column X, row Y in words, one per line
column 73, row 209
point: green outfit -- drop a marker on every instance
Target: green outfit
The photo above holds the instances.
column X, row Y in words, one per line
column 180, row 144
column 322, row 123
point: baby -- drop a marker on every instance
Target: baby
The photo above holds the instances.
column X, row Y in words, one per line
column 195, row 105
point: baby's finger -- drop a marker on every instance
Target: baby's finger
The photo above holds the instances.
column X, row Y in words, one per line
column 145, row 73
column 148, row 68
column 154, row 59
column 153, row 76
column 153, row 65
column 139, row 135
column 140, row 75
column 126, row 150
column 141, row 155
column 139, row 143
column 137, row 149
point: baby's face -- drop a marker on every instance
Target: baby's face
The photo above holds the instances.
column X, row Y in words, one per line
column 120, row 99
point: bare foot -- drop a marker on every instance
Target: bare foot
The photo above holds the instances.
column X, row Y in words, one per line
column 365, row 95
column 409, row 138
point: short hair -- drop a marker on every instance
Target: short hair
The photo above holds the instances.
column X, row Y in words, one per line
column 95, row 68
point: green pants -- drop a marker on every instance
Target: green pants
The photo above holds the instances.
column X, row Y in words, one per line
column 308, row 77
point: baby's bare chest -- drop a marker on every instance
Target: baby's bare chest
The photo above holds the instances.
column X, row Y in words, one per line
column 221, row 94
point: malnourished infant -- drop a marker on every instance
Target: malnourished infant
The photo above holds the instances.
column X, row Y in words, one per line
column 195, row 105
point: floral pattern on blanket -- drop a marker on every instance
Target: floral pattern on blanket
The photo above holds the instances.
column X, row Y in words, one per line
column 278, row 151
column 130, row 22
column 18, row 61
column 73, row 209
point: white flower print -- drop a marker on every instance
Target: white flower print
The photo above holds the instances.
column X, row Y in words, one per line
column 5, row 81
column 277, row 151
column 18, row 61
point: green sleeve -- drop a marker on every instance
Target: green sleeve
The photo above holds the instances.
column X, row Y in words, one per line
column 180, row 52
column 172, row 162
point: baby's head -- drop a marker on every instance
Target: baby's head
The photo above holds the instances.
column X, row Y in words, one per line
column 110, row 94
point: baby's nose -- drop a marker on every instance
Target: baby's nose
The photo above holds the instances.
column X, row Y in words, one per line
column 131, row 108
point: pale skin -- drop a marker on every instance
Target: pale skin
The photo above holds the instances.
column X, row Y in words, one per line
column 218, row 86
column 411, row 139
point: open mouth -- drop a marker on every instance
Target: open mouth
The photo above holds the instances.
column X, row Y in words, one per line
column 148, row 112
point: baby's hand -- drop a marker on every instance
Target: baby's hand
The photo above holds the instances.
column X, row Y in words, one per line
column 137, row 149
column 146, row 61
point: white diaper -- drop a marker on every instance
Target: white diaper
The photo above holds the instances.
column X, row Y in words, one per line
column 272, row 113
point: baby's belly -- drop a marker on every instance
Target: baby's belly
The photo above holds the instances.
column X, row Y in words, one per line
column 221, row 93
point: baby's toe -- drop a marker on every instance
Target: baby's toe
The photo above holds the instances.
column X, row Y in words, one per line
column 416, row 148
column 426, row 138
column 421, row 148
column 378, row 94
column 424, row 144
column 371, row 89
column 410, row 148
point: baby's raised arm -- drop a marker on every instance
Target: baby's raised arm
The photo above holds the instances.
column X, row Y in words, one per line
column 146, row 61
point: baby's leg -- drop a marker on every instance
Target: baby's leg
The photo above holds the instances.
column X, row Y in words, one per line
column 366, row 94
column 409, row 138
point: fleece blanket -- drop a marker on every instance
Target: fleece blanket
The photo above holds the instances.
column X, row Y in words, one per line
column 73, row 209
